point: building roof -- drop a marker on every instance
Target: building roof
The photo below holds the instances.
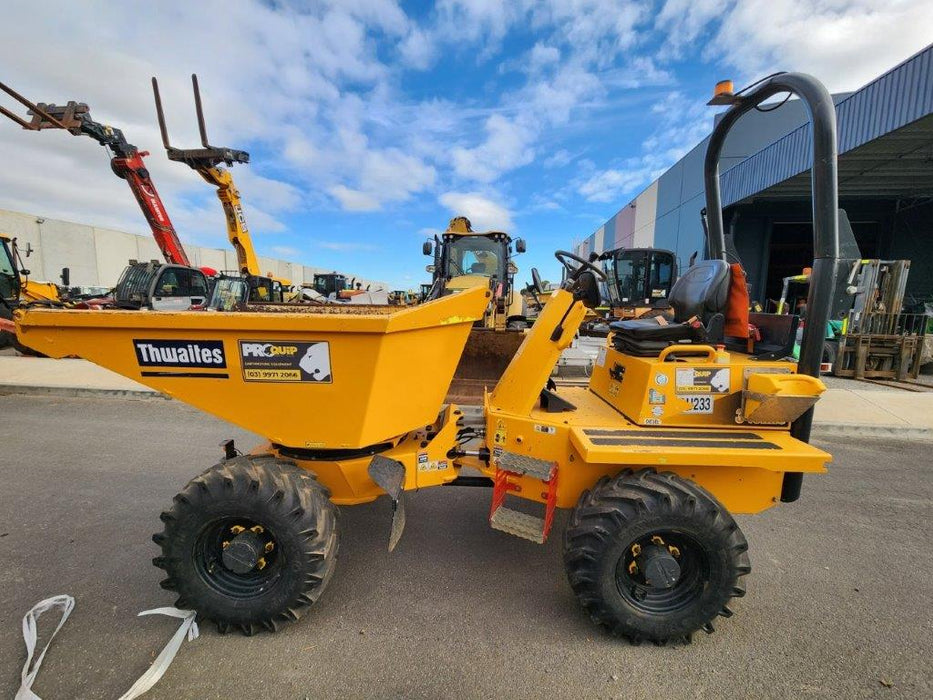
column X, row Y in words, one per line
column 885, row 143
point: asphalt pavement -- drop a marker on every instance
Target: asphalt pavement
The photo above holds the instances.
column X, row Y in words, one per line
column 839, row 600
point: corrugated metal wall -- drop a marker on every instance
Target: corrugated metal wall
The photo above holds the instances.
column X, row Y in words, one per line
column 901, row 96
column 756, row 156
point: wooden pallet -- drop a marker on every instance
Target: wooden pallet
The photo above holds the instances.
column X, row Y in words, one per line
column 874, row 356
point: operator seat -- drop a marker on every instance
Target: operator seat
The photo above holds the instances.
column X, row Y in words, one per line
column 698, row 300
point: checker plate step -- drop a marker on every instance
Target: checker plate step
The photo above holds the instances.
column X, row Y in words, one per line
column 521, row 464
column 519, row 524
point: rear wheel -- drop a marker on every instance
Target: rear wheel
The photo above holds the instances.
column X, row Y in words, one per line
column 250, row 543
column 654, row 557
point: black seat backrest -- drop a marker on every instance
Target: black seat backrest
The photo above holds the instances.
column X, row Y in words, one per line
column 701, row 291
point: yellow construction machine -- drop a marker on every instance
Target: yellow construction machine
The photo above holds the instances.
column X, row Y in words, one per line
column 675, row 434
column 464, row 258
column 206, row 161
column 16, row 289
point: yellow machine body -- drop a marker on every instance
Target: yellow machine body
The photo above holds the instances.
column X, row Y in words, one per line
column 390, row 370
column 310, row 378
column 608, row 428
column 29, row 290
column 237, row 230
column 703, row 387
column 492, row 343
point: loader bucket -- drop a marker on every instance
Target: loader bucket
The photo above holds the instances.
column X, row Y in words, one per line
column 305, row 377
column 485, row 357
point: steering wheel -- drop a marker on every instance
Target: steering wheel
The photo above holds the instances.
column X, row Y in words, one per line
column 536, row 281
column 574, row 272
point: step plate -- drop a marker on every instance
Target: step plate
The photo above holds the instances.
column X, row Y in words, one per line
column 520, row 464
column 774, row 450
column 519, row 524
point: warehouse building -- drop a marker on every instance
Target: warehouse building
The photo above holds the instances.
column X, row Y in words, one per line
column 885, row 133
column 96, row 256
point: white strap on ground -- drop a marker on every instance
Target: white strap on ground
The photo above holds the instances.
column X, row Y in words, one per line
column 152, row 675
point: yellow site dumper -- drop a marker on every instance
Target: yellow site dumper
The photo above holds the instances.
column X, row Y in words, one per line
column 680, row 428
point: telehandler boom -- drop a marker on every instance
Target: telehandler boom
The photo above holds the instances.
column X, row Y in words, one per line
column 676, row 432
column 126, row 161
column 206, row 161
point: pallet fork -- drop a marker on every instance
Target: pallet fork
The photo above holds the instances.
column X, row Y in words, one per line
column 206, row 161
column 127, row 162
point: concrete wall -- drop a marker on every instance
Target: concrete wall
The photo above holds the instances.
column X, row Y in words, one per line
column 96, row 256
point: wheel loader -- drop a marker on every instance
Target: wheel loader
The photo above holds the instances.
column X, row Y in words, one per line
column 465, row 258
column 676, row 433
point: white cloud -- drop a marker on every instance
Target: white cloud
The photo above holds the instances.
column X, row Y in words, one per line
column 483, row 212
column 844, row 43
column 354, row 200
column 558, row 159
column 607, row 185
column 506, row 147
column 679, row 125
column 309, row 101
column 417, row 49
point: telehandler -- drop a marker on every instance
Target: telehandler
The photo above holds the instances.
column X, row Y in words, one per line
column 673, row 435
column 206, row 162
column 173, row 285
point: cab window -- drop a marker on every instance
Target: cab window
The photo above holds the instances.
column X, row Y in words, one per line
column 9, row 284
column 475, row 255
column 179, row 282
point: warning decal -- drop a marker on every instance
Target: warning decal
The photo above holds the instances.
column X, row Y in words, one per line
column 696, row 380
column 285, row 361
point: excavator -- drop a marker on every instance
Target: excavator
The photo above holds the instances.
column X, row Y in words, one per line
column 254, row 287
column 464, row 258
column 174, row 285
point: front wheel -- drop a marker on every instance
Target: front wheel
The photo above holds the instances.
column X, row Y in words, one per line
column 250, row 543
column 654, row 557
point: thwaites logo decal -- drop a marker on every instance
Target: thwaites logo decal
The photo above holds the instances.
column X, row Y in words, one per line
column 200, row 354
column 285, row 361
column 696, row 380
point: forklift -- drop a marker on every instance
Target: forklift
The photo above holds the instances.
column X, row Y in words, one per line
column 675, row 434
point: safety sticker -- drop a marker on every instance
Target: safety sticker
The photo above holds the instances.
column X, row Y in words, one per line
column 656, row 397
column 546, row 429
column 432, row 466
column 699, row 404
column 285, row 361
column 657, row 411
column 422, row 459
column 601, row 357
column 660, row 379
column 695, row 380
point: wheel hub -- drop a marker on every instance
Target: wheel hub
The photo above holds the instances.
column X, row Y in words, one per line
column 658, row 566
column 246, row 550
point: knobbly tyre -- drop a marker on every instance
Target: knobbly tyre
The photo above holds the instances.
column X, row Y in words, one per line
column 680, row 428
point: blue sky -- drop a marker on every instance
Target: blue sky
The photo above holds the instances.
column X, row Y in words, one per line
column 370, row 123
